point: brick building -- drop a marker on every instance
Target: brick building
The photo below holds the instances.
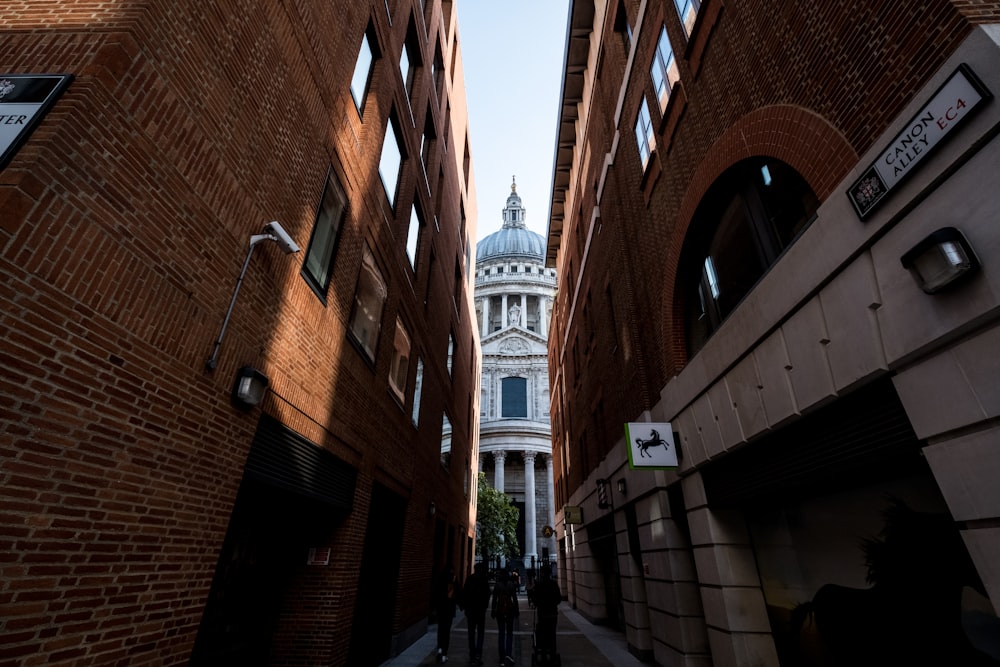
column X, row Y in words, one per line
column 775, row 232
column 147, row 516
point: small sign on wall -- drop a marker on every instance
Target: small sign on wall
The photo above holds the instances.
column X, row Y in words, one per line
column 24, row 101
column 650, row 446
column 319, row 556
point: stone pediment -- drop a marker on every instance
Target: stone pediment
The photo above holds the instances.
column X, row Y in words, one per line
column 514, row 343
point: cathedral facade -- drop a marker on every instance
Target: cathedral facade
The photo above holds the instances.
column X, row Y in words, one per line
column 513, row 296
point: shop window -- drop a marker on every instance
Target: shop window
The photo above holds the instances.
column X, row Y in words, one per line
column 745, row 221
column 319, row 256
column 369, row 299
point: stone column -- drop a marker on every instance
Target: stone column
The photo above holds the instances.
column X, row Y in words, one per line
column 498, row 459
column 503, row 311
column 543, row 324
column 530, row 530
column 486, row 317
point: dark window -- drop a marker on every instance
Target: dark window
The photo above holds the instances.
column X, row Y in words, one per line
column 515, row 398
column 745, row 221
column 319, row 256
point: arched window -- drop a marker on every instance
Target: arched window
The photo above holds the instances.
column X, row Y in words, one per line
column 743, row 224
column 514, row 392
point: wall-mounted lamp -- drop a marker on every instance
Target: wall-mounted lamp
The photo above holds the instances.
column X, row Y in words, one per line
column 622, row 489
column 272, row 232
column 431, row 509
column 249, row 388
column 940, row 260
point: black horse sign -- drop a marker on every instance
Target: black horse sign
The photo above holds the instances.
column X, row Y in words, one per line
column 651, row 445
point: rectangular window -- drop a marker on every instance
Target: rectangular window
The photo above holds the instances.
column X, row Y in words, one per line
column 514, row 398
column 319, row 255
column 369, row 299
column 688, row 11
column 391, row 161
column 418, row 385
column 413, row 235
column 427, row 143
column 623, row 28
column 664, row 70
column 451, row 351
column 445, row 441
column 400, row 361
column 644, row 133
column 363, row 69
column 409, row 59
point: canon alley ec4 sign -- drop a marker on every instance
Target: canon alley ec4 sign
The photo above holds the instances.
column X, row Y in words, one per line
column 24, row 101
column 954, row 101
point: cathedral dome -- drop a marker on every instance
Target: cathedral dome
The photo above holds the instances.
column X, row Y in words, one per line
column 514, row 239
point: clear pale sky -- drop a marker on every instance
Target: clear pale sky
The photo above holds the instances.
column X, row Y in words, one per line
column 513, row 55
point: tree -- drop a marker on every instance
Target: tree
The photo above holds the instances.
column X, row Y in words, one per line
column 496, row 523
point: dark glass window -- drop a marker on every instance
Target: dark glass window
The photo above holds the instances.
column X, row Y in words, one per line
column 515, row 397
column 745, row 221
column 319, row 255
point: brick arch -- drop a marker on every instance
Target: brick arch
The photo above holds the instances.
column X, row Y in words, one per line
column 801, row 138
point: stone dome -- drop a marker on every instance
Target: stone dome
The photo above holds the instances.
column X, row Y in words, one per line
column 514, row 239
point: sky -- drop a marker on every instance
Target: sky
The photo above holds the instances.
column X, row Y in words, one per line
column 513, row 56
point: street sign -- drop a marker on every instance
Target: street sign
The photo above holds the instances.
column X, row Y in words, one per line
column 24, row 101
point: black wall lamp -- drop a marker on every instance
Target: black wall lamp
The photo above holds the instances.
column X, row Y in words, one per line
column 942, row 259
column 249, row 388
column 622, row 488
column 272, row 232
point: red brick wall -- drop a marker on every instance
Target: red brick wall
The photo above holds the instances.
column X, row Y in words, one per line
column 124, row 222
column 812, row 85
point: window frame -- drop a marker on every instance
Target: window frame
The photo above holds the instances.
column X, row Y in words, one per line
column 321, row 252
column 369, row 43
column 664, row 64
column 414, row 234
column 687, row 12
column 392, row 133
column 646, row 144
column 399, row 368
column 368, row 342
column 521, row 384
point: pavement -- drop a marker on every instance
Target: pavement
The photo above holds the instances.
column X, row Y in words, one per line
column 579, row 642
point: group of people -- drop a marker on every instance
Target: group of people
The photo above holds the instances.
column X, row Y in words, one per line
column 476, row 596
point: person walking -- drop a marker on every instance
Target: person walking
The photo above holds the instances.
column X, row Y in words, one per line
column 475, row 598
column 546, row 596
column 445, row 597
column 505, row 610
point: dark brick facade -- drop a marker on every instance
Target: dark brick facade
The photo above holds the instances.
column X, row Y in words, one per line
column 124, row 221
column 812, row 86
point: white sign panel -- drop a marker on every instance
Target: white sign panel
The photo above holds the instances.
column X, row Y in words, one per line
column 24, row 100
column 951, row 104
column 650, row 446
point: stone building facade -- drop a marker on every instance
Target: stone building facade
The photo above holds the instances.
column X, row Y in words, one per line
column 776, row 240
column 147, row 516
column 513, row 295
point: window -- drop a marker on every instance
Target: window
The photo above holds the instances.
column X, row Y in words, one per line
column 514, row 398
column 413, row 235
column 445, row 441
column 451, row 351
column 622, row 26
column 363, row 68
column 664, row 70
column 644, row 133
column 400, row 361
column 319, row 255
column 409, row 60
column 369, row 298
column 418, row 385
column 427, row 143
column 437, row 71
column 688, row 11
column 391, row 161
column 745, row 220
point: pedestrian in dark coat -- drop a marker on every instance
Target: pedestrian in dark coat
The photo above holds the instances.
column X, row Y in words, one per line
column 546, row 596
column 445, row 599
column 474, row 600
column 505, row 611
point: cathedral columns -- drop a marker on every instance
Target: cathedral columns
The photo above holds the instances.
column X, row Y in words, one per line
column 503, row 311
column 551, row 491
column 498, row 459
column 530, row 530
column 486, row 317
column 543, row 322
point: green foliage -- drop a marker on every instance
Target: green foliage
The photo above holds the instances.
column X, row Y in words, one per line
column 496, row 523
